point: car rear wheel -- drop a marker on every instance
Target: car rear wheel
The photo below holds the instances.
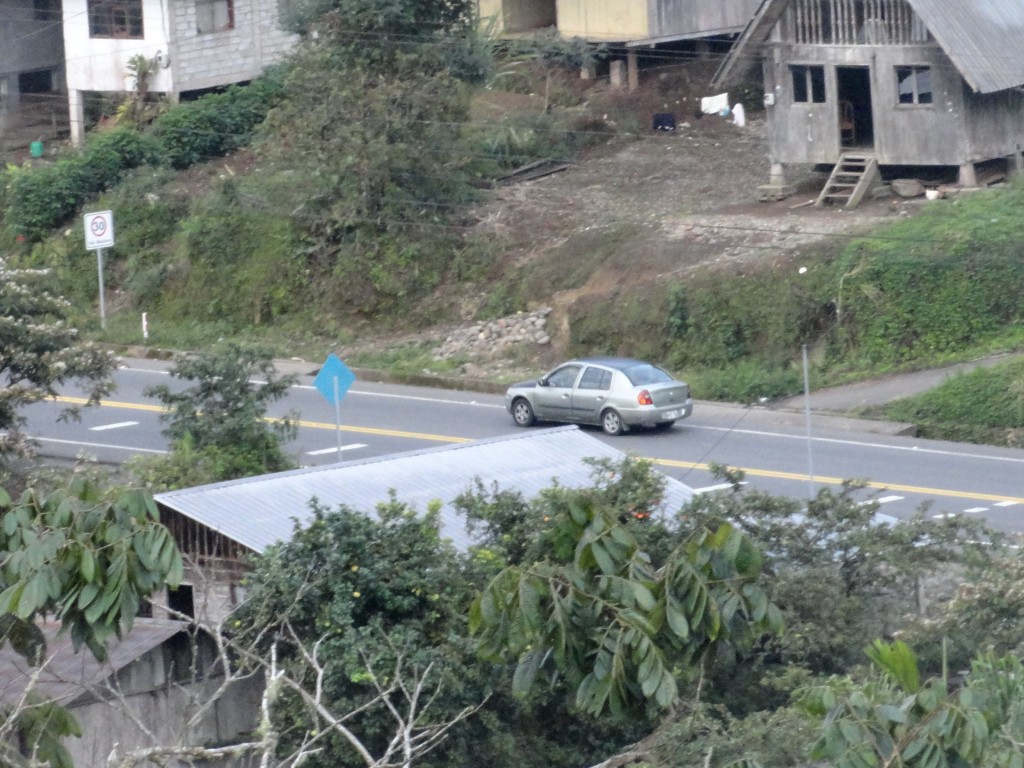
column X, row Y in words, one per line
column 522, row 413
column 611, row 422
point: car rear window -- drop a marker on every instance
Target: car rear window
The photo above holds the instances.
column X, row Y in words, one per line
column 641, row 375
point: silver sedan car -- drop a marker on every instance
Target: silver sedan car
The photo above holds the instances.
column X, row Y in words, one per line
column 616, row 393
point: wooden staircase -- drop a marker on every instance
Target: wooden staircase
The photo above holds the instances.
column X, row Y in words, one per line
column 852, row 178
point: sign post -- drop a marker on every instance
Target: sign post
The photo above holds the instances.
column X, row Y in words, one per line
column 333, row 382
column 99, row 234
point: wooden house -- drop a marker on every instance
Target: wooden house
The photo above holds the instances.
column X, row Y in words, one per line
column 632, row 24
column 859, row 84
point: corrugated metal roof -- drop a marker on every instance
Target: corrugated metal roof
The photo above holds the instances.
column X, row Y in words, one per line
column 983, row 38
column 66, row 675
column 259, row 511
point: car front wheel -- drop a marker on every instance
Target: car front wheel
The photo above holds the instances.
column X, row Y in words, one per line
column 522, row 413
column 611, row 422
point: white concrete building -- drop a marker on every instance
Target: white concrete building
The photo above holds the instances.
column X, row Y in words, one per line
column 190, row 44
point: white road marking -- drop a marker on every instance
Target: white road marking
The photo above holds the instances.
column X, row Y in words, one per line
column 859, row 443
column 118, row 425
column 975, row 510
column 349, row 447
column 719, row 487
column 1005, row 503
column 99, row 445
column 888, row 499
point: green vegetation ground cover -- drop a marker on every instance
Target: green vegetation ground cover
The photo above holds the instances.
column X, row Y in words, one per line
column 983, row 406
column 320, row 242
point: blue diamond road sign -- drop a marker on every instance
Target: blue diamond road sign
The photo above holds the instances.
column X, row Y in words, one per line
column 333, row 370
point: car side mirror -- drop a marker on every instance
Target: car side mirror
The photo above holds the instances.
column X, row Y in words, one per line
column 542, row 381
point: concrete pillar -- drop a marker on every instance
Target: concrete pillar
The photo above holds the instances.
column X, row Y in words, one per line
column 968, row 175
column 617, row 73
column 76, row 117
column 703, row 49
column 777, row 175
column 633, row 70
column 587, row 72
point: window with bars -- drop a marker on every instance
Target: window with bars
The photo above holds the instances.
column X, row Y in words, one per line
column 808, row 83
column 214, row 15
column 118, row 18
column 914, row 85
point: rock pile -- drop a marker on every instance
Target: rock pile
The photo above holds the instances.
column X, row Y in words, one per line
column 486, row 338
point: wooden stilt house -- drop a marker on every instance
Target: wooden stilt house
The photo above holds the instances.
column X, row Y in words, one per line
column 860, row 84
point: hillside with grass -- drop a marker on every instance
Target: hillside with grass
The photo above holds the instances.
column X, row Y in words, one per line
column 357, row 200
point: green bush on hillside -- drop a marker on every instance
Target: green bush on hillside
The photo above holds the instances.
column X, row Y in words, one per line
column 39, row 200
column 215, row 124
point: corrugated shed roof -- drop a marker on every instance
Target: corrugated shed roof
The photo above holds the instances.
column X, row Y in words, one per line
column 259, row 511
column 66, row 675
column 983, row 38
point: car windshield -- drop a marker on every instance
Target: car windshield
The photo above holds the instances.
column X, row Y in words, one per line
column 641, row 375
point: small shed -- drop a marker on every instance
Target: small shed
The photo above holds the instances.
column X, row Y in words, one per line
column 154, row 689
column 888, row 82
column 218, row 526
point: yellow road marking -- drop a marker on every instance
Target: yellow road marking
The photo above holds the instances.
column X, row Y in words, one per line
column 838, row 481
column 310, row 424
column 661, row 462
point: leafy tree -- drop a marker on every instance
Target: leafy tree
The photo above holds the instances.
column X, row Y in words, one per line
column 375, row 29
column 221, row 417
column 618, row 625
column 368, row 141
column 348, row 598
column 896, row 717
column 40, row 351
column 87, row 560
column 83, row 558
column 840, row 575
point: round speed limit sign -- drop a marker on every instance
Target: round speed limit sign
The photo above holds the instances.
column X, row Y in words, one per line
column 99, row 230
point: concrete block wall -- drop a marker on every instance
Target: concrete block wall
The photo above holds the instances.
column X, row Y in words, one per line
column 229, row 56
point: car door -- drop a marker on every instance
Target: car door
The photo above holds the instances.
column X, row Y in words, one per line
column 553, row 395
column 591, row 394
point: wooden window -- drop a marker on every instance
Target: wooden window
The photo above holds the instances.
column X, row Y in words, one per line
column 914, row 85
column 808, row 83
column 214, row 15
column 115, row 18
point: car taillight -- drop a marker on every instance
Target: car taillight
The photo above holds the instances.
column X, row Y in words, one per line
column 644, row 398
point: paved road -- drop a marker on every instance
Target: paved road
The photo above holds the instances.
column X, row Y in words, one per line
column 771, row 445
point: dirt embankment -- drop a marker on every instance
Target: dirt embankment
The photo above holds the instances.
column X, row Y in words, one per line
column 668, row 202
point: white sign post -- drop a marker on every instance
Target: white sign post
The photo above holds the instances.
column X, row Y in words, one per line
column 99, row 234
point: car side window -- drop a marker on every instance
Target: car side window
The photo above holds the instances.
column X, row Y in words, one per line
column 564, row 377
column 596, row 378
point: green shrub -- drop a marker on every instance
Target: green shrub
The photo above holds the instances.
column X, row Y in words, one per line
column 746, row 381
column 215, row 124
column 109, row 154
column 41, row 199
